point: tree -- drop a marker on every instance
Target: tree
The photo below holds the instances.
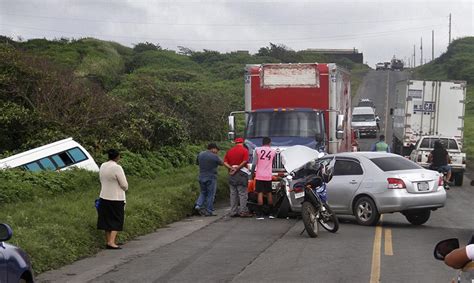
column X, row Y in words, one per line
column 142, row 47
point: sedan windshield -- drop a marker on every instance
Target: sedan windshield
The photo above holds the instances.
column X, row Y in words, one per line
column 394, row 163
column 363, row 118
column 284, row 124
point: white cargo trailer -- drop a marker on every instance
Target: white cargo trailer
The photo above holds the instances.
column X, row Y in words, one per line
column 423, row 108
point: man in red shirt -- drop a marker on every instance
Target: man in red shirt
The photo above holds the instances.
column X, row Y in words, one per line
column 237, row 157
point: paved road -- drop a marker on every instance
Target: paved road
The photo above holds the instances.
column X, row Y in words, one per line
column 249, row 250
column 224, row 249
column 379, row 86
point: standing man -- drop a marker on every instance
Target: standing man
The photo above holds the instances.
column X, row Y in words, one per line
column 381, row 145
column 208, row 162
column 237, row 158
column 263, row 160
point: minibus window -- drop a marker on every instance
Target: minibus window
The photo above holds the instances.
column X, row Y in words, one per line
column 58, row 161
column 47, row 164
column 33, row 166
column 65, row 158
column 77, row 154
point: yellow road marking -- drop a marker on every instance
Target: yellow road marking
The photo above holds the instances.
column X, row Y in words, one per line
column 375, row 269
column 388, row 242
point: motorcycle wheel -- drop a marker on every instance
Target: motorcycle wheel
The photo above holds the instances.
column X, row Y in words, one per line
column 328, row 219
column 308, row 213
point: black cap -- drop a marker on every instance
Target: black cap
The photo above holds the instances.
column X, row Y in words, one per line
column 212, row 145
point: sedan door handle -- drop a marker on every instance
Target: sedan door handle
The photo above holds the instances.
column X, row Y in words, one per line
column 353, row 182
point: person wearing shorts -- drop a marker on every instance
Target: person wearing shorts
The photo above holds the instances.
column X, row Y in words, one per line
column 262, row 170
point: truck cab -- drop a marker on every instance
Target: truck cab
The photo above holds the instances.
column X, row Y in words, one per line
column 286, row 128
column 363, row 121
column 425, row 145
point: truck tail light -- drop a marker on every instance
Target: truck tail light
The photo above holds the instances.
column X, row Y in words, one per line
column 464, row 160
column 395, row 183
column 419, row 158
column 440, row 181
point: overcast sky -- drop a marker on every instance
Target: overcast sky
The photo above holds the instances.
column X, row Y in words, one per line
column 379, row 29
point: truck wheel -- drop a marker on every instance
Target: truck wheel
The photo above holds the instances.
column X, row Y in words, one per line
column 458, row 178
column 419, row 217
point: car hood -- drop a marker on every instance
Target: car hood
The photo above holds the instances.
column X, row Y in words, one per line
column 295, row 157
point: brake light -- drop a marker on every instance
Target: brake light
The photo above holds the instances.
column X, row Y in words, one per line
column 298, row 189
column 395, row 183
column 440, row 181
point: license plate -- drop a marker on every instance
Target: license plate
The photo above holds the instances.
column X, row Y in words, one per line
column 275, row 186
column 423, row 186
column 299, row 195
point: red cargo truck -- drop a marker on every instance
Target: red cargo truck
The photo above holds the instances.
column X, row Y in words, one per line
column 297, row 104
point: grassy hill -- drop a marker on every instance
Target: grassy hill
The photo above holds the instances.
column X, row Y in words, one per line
column 457, row 63
column 141, row 99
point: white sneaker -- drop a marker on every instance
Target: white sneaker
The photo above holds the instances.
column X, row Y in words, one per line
column 271, row 217
column 260, row 217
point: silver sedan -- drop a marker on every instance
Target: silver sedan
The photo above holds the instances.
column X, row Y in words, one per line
column 368, row 184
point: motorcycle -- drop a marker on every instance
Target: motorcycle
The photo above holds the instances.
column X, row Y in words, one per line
column 443, row 248
column 315, row 208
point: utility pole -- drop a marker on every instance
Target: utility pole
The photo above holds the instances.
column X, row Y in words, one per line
column 449, row 28
column 421, row 51
column 414, row 55
column 432, row 45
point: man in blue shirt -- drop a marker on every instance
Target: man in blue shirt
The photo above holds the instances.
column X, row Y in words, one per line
column 208, row 162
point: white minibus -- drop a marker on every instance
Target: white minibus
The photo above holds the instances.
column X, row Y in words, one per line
column 58, row 155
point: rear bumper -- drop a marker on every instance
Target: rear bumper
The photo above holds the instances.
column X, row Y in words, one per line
column 399, row 200
column 455, row 168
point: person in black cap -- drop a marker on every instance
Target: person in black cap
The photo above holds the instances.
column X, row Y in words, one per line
column 208, row 162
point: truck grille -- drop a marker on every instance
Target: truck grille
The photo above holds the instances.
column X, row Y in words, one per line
column 277, row 163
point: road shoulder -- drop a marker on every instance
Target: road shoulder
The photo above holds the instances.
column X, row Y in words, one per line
column 89, row 268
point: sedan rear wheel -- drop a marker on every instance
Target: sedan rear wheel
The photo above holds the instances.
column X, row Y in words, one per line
column 366, row 212
column 419, row 217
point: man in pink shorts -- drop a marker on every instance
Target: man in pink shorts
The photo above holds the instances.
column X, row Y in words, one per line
column 262, row 167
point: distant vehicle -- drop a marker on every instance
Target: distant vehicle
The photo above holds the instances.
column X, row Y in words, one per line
column 387, row 65
column 365, row 102
column 396, row 65
column 368, row 184
column 15, row 265
column 364, row 121
column 426, row 108
column 458, row 158
column 58, row 155
column 380, row 66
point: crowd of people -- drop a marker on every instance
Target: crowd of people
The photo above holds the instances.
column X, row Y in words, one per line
column 235, row 161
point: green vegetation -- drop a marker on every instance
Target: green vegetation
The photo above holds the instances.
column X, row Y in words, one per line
column 457, row 63
column 59, row 226
column 154, row 105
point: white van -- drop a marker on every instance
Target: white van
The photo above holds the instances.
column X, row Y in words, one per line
column 363, row 120
column 58, row 155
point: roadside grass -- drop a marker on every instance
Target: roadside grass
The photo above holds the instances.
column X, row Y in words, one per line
column 60, row 229
column 357, row 76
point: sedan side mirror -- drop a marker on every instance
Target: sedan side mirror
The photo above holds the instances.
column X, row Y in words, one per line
column 444, row 247
column 5, row 232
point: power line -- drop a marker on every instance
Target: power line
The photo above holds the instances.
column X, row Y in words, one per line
column 321, row 23
column 336, row 37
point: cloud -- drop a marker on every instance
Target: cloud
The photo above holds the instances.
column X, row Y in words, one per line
column 380, row 29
